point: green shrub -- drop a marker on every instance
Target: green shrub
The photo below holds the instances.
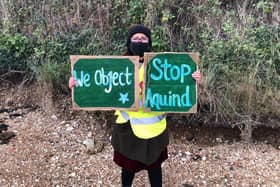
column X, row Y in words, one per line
column 239, row 45
column 14, row 51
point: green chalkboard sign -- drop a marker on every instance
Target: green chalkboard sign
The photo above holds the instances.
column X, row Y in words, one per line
column 105, row 82
column 169, row 85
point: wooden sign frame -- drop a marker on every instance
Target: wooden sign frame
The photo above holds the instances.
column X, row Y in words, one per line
column 133, row 59
column 151, row 55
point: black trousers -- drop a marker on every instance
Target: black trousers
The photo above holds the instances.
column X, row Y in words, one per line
column 155, row 177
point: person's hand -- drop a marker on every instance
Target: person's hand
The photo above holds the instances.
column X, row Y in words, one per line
column 196, row 76
column 72, row 82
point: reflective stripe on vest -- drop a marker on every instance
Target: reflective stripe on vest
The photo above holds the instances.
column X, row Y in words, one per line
column 144, row 125
column 120, row 119
column 146, row 121
column 125, row 115
column 144, row 131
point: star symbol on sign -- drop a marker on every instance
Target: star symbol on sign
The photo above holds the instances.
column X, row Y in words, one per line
column 123, row 97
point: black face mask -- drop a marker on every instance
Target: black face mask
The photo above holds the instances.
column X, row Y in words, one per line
column 139, row 48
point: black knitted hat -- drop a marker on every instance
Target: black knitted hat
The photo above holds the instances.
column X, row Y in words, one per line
column 138, row 29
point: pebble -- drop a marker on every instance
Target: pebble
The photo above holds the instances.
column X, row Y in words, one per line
column 54, row 117
column 69, row 129
column 72, row 175
column 219, row 140
column 89, row 134
column 63, row 123
column 54, row 158
column 89, row 143
column 188, row 153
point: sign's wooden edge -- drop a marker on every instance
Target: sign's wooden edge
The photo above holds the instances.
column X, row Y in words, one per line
column 133, row 59
column 73, row 60
column 147, row 57
column 150, row 55
column 195, row 58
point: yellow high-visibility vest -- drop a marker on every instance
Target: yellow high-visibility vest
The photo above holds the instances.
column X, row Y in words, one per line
column 144, row 125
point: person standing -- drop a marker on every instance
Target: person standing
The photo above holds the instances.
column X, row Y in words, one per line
column 139, row 138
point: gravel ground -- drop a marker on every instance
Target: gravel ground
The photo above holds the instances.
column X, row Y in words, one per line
column 49, row 151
